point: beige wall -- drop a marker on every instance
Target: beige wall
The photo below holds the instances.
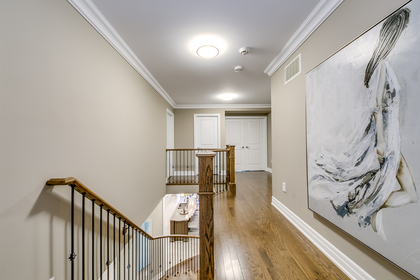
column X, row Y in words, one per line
column 184, row 126
column 288, row 117
column 70, row 105
column 269, row 141
column 157, row 220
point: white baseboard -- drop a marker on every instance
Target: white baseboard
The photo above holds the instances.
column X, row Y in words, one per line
column 269, row 170
column 350, row 268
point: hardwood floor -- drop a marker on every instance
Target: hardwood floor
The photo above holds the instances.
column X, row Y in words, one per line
column 254, row 241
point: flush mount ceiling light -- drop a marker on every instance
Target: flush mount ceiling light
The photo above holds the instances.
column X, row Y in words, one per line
column 207, row 46
column 207, row 51
column 227, row 96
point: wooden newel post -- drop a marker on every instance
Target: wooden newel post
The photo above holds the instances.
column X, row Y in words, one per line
column 206, row 193
column 232, row 183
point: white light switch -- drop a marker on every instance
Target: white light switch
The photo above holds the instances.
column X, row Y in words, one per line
column 284, row 187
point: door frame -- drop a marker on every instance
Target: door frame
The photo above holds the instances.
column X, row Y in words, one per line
column 170, row 138
column 264, row 135
column 196, row 116
column 196, row 136
column 170, row 129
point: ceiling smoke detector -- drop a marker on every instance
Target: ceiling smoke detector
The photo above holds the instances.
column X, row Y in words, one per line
column 238, row 68
column 244, row 50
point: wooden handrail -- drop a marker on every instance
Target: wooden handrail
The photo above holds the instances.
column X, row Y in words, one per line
column 82, row 189
column 214, row 150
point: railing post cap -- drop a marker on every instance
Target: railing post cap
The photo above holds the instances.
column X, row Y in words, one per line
column 206, row 154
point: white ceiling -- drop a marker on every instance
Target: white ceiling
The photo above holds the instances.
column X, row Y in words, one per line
column 159, row 34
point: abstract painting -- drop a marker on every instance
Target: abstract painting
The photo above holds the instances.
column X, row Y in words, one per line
column 363, row 136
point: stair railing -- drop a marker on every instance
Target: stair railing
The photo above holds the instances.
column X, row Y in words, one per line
column 115, row 248
column 182, row 167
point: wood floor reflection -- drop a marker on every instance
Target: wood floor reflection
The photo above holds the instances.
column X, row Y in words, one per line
column 254, row 241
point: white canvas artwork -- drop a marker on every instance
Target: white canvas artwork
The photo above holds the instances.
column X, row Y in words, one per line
column 363, row 136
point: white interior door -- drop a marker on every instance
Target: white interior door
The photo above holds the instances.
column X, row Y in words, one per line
column 249, row 135
column 170, row 138
column 170, row 130
column 206, row 132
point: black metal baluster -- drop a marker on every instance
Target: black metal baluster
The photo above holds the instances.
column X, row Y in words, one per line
column 114, row 259
column 137, row 254
column 150, row 257
column 154, row 256
column 160, row 255
column 165, row 254
column 107, row 245
column 153, row 261
column 221, row 172
column 100, row 241
column 226, row 171
column 72, row 254
column 214, row 177
column 128, row 252
column 177, row 256
column 182, row 256
column 83, row 235
column 119, row 249
column 188, row 166
column 93, row 238
column 141, row 249
column 172, row 164
column 224, row 168
column 177, row 164
column 172, row 256
column 181, row 158
column 218, row 172
column 124, row 250
column 132, row 253
column 155, row 253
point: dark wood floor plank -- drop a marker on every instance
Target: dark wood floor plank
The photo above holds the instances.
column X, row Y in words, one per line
column 254, row 241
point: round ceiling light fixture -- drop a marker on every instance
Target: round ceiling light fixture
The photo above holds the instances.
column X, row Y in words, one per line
column 227, row 96
column 207, row 51
column 212, row 44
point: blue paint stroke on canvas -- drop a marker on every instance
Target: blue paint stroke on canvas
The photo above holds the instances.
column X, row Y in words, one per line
column 371, row 174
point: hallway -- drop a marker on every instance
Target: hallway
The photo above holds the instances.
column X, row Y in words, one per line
column 254, row 241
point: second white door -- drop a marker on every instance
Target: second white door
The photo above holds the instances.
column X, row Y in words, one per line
column 249, row 135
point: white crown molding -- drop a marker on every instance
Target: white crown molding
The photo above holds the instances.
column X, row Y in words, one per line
column 349, row 267
column 312, row 22
column 92, row 14
column 223, row 106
